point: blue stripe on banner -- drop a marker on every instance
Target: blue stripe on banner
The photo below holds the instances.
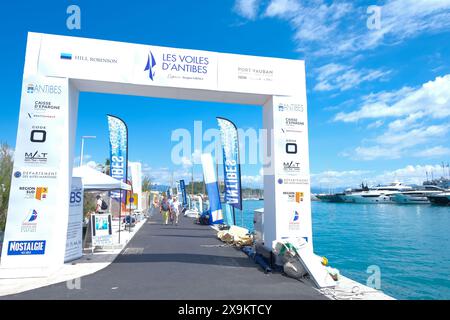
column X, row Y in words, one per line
column 214, row 202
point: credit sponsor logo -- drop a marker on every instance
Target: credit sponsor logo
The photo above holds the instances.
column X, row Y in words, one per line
column 255, row 74
column 88, row 59
column 292, row 181
column 43, row 88
column 38, row 193
column 294, row 221
column 36, row 174
column 292, row 196
column 30, row 222
column 290, row 107
column 291, row 148
column 38, row 135
column 34, row 247
column 150, row 66
column 75, row 197
column 291, row 166
column 66, row 56
column 36, row 157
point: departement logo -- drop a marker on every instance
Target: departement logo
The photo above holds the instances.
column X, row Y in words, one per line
column 151, row 63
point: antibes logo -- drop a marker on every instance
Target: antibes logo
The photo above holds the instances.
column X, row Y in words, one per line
column 150, row 67
column 43, row 88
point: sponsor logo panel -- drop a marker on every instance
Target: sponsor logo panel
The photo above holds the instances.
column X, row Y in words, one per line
column 33, row 247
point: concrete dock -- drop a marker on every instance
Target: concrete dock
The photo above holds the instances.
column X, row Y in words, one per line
column 178, row 262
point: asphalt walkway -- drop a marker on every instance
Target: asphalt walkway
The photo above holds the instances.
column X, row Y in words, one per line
column 178, row 262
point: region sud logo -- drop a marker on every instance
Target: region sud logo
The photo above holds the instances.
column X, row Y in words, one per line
column 151, row 63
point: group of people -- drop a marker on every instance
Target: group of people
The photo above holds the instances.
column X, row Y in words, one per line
column 169, row 207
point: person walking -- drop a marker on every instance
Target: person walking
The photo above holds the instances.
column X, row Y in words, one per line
column 175, row 210
column 101, row 205
column 155, row 209
column 165, row 208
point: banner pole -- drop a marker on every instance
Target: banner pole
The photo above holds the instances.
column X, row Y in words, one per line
column 120, row 213
column 234, row 216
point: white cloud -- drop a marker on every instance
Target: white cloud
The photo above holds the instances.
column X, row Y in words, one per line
column 438, row 151
column 282, row 8
column 432, row 98
column 335, row 76
column 375, row 152
column 409, row 174
column 247, row 8
column 253, row 181
column 340, row 27
column 417, row 118
column 375, row 124
column 338, row 178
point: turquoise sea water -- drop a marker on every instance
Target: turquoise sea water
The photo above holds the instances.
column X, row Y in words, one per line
column 409, row 243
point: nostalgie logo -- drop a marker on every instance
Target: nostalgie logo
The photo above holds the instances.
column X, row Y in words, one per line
column 30, row 222
column 36, row 157
column 33, row 247
column 43, row 88
column 150, row 67
column 38, row 193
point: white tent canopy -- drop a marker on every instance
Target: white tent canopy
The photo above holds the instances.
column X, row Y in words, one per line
column 95, row 180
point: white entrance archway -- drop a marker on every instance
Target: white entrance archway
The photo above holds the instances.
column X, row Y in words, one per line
column 57, row 68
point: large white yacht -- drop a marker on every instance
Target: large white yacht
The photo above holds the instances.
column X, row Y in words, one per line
column 380, row 194
column 417, row 196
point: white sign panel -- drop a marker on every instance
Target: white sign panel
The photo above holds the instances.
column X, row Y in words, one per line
column 74, row 243
column 37, row 218
column 271, row 76
column 101, row 228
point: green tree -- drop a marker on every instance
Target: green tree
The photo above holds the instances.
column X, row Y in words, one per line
column 146, row 184
column 6, row 167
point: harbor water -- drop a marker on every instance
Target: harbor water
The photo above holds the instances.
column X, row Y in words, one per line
column 410, row 244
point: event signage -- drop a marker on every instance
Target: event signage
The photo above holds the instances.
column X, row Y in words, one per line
column 37, row 221
column 183, row 192
column 74, row 243
column 118, row 154
column 231, row 163
column 101, row 229
column 56, row 67
column 212, row 188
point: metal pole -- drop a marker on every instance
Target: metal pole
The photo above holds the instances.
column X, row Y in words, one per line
column 81, row 155
column 120, row 213
column 234, row 216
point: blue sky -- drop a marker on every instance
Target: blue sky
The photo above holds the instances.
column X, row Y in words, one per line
column 378, row 99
